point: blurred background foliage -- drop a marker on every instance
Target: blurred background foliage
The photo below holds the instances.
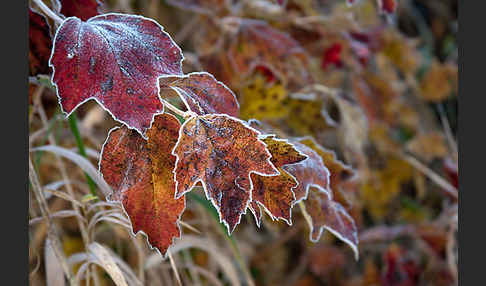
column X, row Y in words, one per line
column 376, row 86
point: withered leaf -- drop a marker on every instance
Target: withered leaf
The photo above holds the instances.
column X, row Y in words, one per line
column 275, row 193
column 140, row 173
column 203, row 94
column 340, row 174
column 324, row 213
column 115, row 59
column 309, row 172
column 221, row 152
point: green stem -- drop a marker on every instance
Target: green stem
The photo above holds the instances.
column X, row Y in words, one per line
column 73, row 124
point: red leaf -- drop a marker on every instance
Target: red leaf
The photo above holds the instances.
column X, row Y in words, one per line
column 324, row 213
column 115, row 59
column 221, row 152
column 275, row 193
column 40, row 44
column 83, row 9
column 309, row 172
column 140, row 173
column 203, row 94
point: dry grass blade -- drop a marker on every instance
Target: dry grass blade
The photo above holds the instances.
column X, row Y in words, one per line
column 81, row 162
column 58, row 214
column 64, row 196
column 451, row 190
column 188, row 226
column 90, row 152
column 104, row 259
column 174, row 268
column 52, row 234
column 190, row 241
column 54, row 274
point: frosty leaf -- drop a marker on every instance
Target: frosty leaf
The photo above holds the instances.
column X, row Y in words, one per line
column 83, row 9
column 258, row 44
column 140, row 173
column 275, row 193
column 203, row 94
column 339, row 172
column 221, row 152
column 117, row 60
column 309, row 172
column 199, row 6
column 324, row 213
column 40, row 44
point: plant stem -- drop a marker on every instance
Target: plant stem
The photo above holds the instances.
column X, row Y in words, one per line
column 73, row 124
column 48, row 11
column 177, row 110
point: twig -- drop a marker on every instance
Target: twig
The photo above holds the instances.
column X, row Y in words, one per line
column 48, row 11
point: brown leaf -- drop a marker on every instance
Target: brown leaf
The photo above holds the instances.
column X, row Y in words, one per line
column 309, row 172
column 275, row 193
column 221, row 152
column 324, row 213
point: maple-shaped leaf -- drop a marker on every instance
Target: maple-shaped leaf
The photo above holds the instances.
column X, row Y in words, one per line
column 140, row 173
column 340, row 173
column 115, row 59
column 274, row 193
column 221, row 152
column 258, row 44
column 203, row 94
column 199, row 6
column 83, row 9
column 309, row 172
column 324, row 213
column 40, row 44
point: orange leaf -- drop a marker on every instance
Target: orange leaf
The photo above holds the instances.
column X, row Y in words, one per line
column 140, row 173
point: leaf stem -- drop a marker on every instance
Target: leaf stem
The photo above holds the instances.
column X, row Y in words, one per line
column 48, row 11
column 176, row 110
